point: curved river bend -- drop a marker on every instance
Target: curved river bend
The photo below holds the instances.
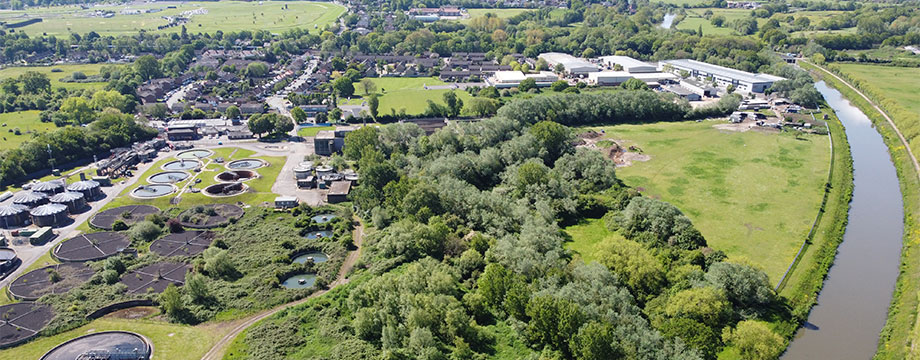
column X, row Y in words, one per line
column 853, row 304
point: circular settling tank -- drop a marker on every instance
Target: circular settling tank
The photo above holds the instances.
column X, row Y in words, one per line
column 323, row 218
column 183, row 164
column 316, row 256
column 102, row 345
column 152, row 191
column 168, row 177
column 299, row 281
column 236, row 175
column 225, row 189
column 194, row 154
column 245, row 164
column 322, row 234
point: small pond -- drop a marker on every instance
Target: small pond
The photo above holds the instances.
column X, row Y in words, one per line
column 245, row 164
column 299, row 281
column 323, row 218
column 168, row 177
column 319, row 234
column 194, row 154
column 182, row 165
column 152, row 191
column 317, row 256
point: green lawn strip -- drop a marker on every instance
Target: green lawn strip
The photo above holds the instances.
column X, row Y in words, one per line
column 310, row 131
column 407, row 94
column 5, row 297
column 752, row 194
column 901, row 328
column 66, row 71
column 170, row 341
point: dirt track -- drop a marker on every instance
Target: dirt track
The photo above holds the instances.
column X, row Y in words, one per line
column 217, row 351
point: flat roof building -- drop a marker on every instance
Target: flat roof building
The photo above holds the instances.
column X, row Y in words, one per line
column 572, row 65
column 608, row 78
column 506, row 79
column 723, row 76
column 338, row 192
column 683, row 93
column 629, row 64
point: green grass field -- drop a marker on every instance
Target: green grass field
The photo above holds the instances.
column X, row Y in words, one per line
column 170, row 341
column 695, row 19
column 683, row 2
column 502, row 13
column 405, row 93
column 274, row 16
column 311, row 131
column 587, row 236
column 55, row 77
column 752, row 194
column 28, row 124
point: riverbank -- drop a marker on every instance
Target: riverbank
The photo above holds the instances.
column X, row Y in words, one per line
column 900, row 331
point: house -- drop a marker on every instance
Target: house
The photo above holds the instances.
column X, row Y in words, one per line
column 285, row 202
column 251, row 108
column 338, row 192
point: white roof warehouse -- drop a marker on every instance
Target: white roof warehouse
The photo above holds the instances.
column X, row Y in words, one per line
column 743, row 80
column 573, row 65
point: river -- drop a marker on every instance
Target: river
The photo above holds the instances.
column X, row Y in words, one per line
column 853, row 304
column 668, row 20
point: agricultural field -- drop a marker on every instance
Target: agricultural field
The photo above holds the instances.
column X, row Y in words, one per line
column 502, row 13
column 886, row 53
column 682, row 3
column 695, row 19
column 771, row 184
column 170, row 341
column 28, row 124
column 55, row 76
column 406, row 93
column 274, row 16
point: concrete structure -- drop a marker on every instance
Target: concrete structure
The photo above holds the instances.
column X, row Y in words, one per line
column 75, row 201
column 90, row 189
column 285, row 202
column 723, row 76
column 328, row 142
column 629, row 64
column 573, row 65
column 48, row 214
column 338, row 192
column 13, row 216
column 49, row 187
column 30, row 199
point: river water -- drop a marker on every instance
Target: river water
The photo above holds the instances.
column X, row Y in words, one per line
column 853, row 305
column 668, row 20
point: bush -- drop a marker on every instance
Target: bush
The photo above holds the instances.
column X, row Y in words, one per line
column 119, row 225
column 144, row 231
column 175, row 226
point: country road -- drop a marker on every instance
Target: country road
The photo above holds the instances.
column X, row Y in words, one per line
column 217, row 351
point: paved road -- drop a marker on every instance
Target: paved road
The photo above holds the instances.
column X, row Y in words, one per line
column 217, row 351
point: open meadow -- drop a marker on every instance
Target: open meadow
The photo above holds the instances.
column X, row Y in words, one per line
column 209, row 17
column 57, row 72
column 26, row 122
column 406, row 93
column 752, row 194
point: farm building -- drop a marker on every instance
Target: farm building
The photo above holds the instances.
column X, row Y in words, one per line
column 13, row 216
column 573, row 65
column 49, row 214
column 723, row 76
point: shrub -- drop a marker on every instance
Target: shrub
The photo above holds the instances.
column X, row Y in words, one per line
column 119, row 225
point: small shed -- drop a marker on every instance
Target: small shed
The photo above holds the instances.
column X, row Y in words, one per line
column 30, row 199
column 285, row 202
column 91, row 189
column 338, row 192
column 13, row 216
column 41, row 236
column 75, row 201
column 49, row 214
column 49, row 187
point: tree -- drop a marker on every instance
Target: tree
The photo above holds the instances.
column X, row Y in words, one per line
column 233, row 112
column 435, row 109
column 148, row 67
column 553, row 136
column 281, row 124
column 634, row 84
column 706, row 305
column 745, row 286
column 454, row 103
column 34, row 82
column 636, row 267
column 717, row 20
column 754, row 340
column 369, row 86
column 541, row 65
column 693, row 333
column 256, row 69
column 217, row 263
column 553, row 322
column 559, row 85
column 356, row 141
column 489, row 92
column 197, row 286
column 335, row 114
column 343, row 86
column 527, row 84
column 77, row 110
column 104, row 99
column 559, row 68
column 299, row 115
column 482, row 106
column 171, row 301
column 373, row 104
column 596, row 341
column 259, row 124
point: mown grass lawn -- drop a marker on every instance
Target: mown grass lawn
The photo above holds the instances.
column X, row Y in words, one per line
column 28, row 124
column 66, row 71
column 274, row 16
column 407, row 94
column 752, row 194
column 170, row 341
column 310, row 131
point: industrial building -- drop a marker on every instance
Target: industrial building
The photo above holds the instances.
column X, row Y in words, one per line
column 683, row 93
column 49, row 187
column 328, row 142
column 13, row 216
column 75, row 201
column 508, row 79
column 614, row 78
column 629, row 64
column 285, row 202
column 573, row 65
column 48, row 214
column 338, row 192
column 90, row 189
column 723, row 76
column 30, row 199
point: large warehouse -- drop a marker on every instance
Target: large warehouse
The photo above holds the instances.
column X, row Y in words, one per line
column 629, row 64
column 743, row 80
column 572, row 65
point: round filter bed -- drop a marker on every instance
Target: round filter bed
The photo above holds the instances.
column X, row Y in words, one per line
column 209, row 216
column 22, row 321
column 90, row 247
column 128, row 214
column 194, row 154
column 246, row 164
column 299, row 281
column 184, row 164
column 316, row 256
column 168, row 177
column 103, row 345
column 236, row 175
column 324, row 218
column 154, row 277
column 225, row 189
column 153, row 191
column 322, row 234
column 189, row 243
column 54, row 279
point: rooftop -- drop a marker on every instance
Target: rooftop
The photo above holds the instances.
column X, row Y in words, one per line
column 723, row 71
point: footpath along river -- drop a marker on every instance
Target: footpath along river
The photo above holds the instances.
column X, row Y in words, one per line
column 853, row 304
